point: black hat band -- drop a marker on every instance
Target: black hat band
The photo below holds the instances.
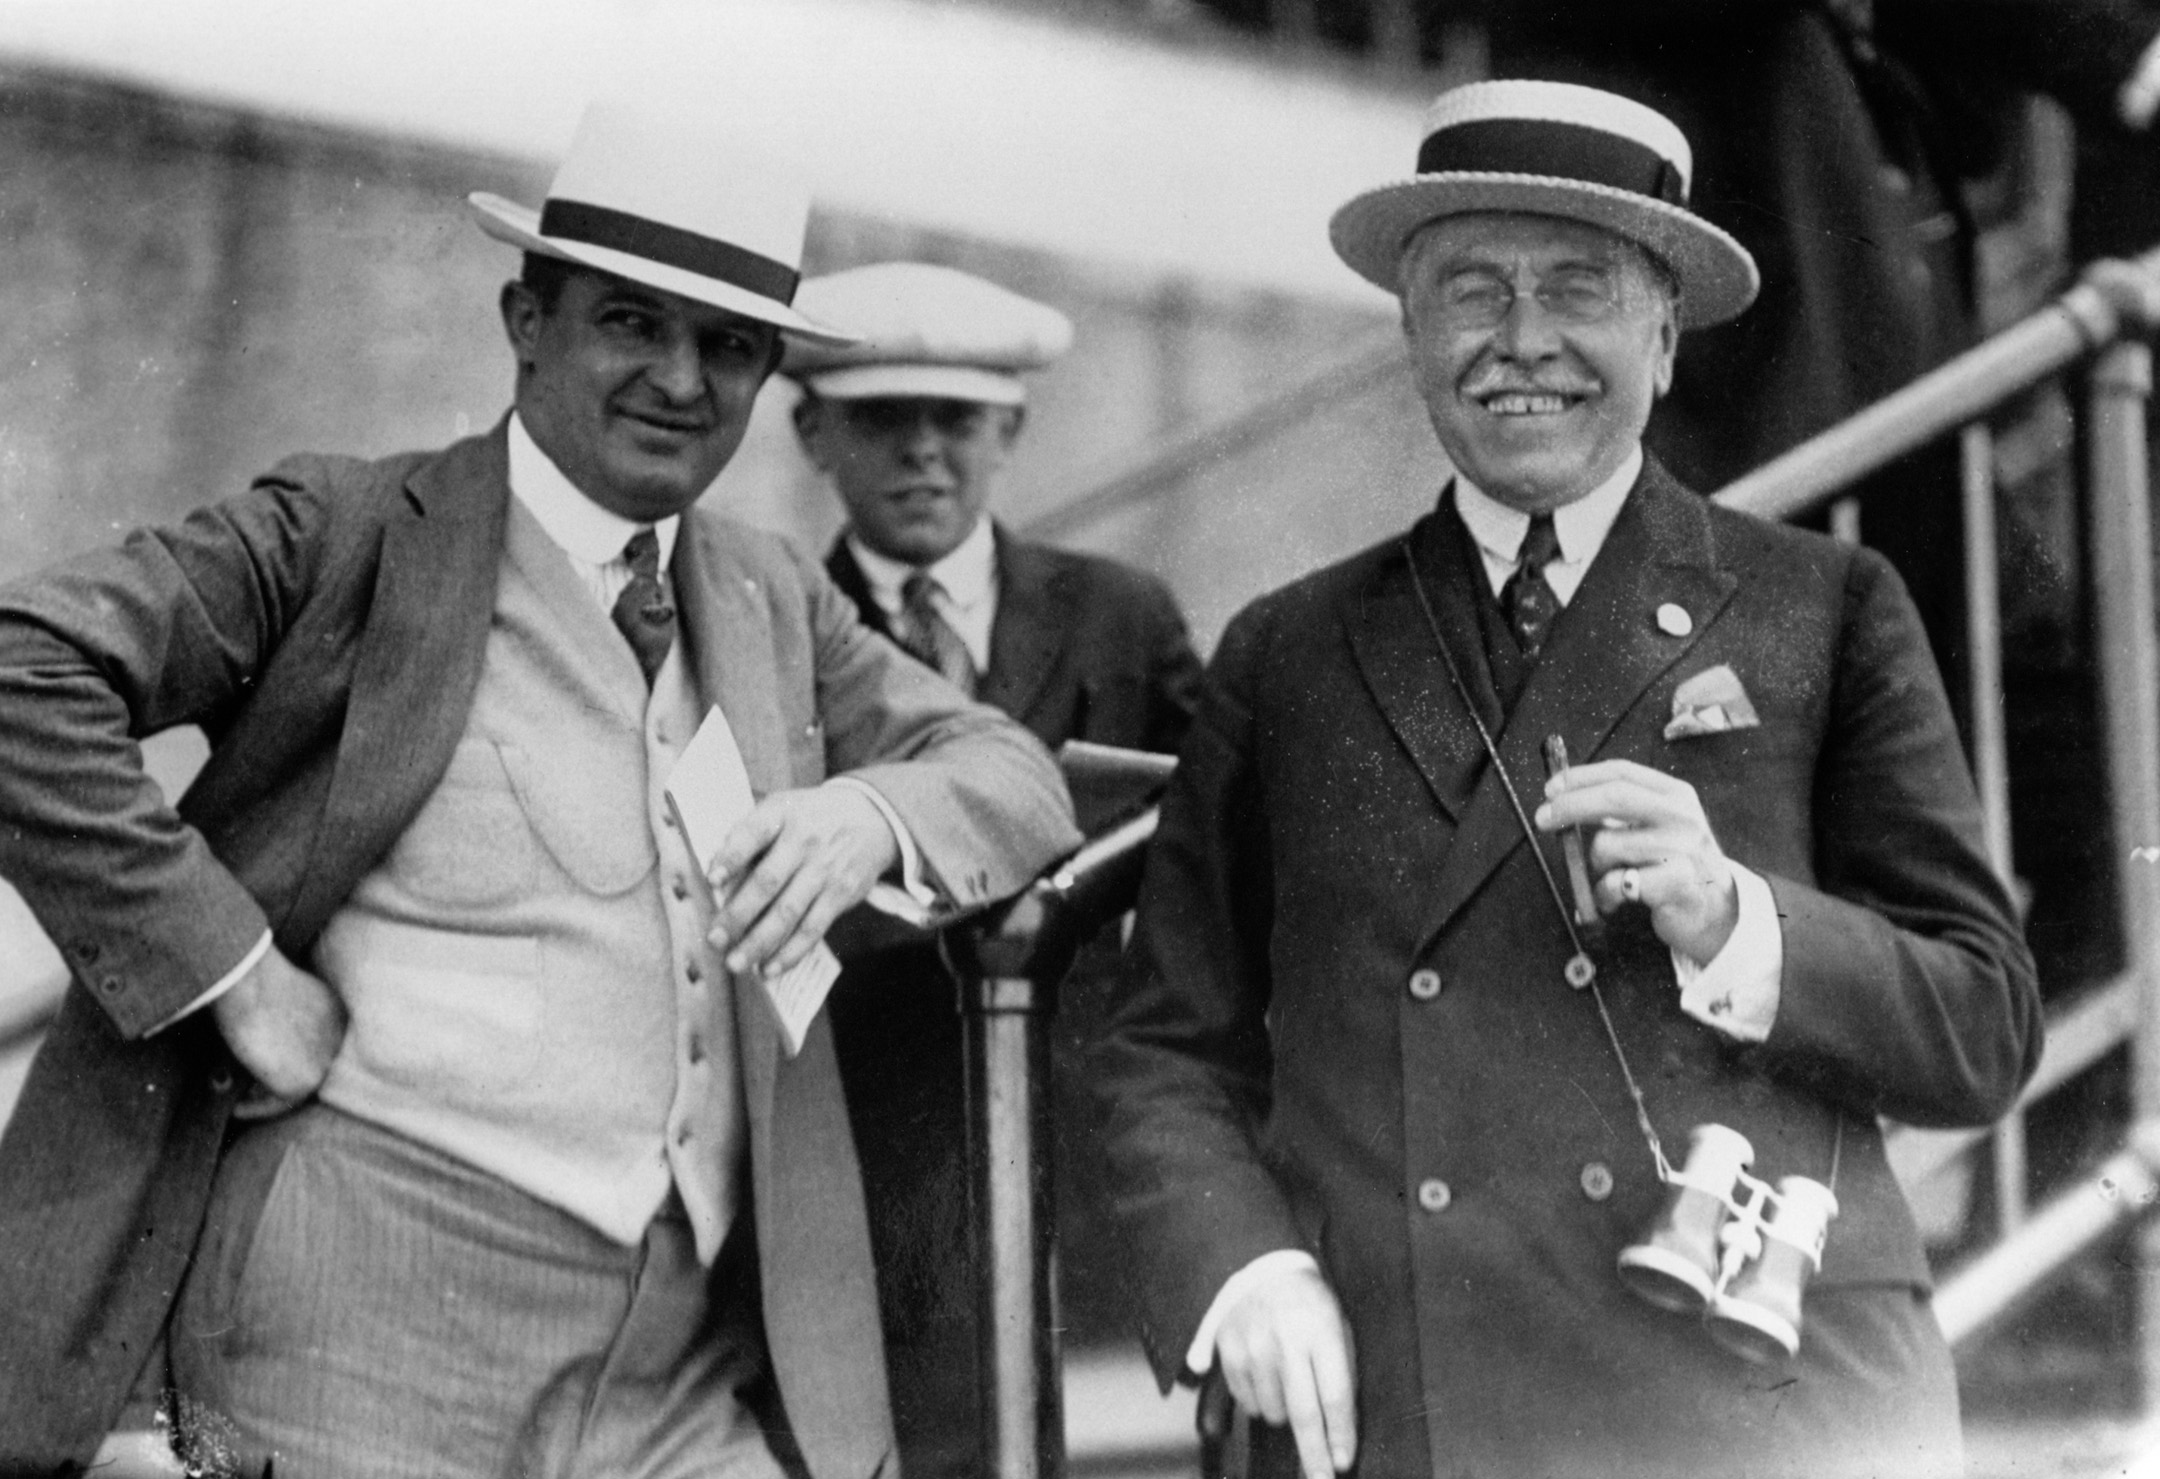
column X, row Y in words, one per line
column 670, row 246
column 1524, row 146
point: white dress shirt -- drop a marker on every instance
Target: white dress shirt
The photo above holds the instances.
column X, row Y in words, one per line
column 964, row 591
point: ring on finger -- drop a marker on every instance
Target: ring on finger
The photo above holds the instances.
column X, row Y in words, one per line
column 1631, row 885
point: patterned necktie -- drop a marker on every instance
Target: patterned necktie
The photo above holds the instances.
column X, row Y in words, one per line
column 1528, row 601
column 930, row 638
column 643, row 612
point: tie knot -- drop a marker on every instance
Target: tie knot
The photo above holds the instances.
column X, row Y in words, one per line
column 642, row 553
column 1540, row 546
column 919, row 591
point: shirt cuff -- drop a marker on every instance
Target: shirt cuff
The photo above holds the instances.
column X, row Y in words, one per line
column 225, row 983
column 2139, row 98
column 1200, row 1355
column 1737, row 992
column 911, row 864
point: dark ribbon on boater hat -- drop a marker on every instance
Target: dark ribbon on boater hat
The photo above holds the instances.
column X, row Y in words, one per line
column 1525, row 146
column 670, row 246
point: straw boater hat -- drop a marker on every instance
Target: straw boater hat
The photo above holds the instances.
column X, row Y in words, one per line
column 1554, row 149
column 927, row 331
column 684, row 209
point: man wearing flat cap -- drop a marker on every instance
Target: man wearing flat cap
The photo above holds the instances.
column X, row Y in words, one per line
column 416, row 1066
column 1428, row 1064
column 913, row 426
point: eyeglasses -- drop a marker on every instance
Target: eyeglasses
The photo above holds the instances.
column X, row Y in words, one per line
column 1574, row 295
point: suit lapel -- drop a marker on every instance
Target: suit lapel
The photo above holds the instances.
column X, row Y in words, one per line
column 726, row 626
column 848, row 575
column 1393, row 644
column 727, row 631
column 1607, row 648
column 421, row 646
column 1026, row 637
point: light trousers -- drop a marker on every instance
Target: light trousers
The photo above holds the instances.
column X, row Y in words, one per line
column 361, row 1304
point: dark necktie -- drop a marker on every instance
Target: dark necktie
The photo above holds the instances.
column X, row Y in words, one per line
column 930, row 638
column 1528, row 601
column 643, row 612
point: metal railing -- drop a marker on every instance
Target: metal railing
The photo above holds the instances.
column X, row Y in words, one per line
column 2104, row 315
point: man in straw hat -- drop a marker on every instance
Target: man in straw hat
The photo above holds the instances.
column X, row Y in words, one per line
column 1411, row 1029
column 913, row 426
column 409, row 1064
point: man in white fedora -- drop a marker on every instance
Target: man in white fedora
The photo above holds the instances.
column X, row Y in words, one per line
column 1418, row 1020
column 409, row 1065
column 913, row 426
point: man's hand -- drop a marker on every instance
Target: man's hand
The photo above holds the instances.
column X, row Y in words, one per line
column 1652, row 846
column 1285, row 1352
column 284, row 1026
column 785, row 872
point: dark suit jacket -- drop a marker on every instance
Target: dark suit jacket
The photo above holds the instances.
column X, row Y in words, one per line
column 1082, row 647
column 1333, row 826
column 327, row 629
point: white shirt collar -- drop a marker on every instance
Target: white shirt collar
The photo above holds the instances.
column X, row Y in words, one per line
column 967, row 575
column 586, row 532
column 1581, row 527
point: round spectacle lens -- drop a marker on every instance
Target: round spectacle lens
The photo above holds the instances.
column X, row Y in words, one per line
column 1482, row 301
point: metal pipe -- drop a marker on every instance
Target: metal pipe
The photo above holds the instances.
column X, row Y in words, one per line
column 2130, row 698
column 1009, row 962
column 2110, row 297
column 1009, row 1129
column 1990, row 744
column 1994, row 1283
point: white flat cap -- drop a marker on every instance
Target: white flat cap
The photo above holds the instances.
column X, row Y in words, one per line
column 926, row 331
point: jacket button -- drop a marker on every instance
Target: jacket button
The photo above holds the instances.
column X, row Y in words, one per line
column 1597, row 1181
column 1434, row 1195
column 221, row 1080
column 1424, row 984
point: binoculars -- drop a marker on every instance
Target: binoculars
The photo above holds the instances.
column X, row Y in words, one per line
column 1729, row 1248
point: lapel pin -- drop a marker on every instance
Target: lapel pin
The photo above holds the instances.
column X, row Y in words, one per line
column 1674, row 621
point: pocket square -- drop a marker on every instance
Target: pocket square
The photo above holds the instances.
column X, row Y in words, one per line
column 1712, row 702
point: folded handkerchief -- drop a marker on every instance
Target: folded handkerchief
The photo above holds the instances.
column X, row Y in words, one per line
column 1711, row 702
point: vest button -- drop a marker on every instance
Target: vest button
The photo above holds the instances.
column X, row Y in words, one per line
column 694, row 972
column 86, row 951
column 110, row 986
column 1597, row 1181
column 1434, row 1195
column 1425, row 984
column 697, row 1048
column 682, row 890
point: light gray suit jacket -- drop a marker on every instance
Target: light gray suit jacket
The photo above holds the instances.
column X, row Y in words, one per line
column 326, row 629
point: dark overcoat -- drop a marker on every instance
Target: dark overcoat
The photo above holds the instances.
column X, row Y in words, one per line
column 326, row 629
column 1465, row 1163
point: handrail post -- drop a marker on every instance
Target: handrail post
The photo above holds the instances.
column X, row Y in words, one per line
column 1009, row 963
column 1990, row 744
column 1007, row 1047
column 2130, row 694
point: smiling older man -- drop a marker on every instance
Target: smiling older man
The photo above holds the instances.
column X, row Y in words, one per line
column 1411, row 1089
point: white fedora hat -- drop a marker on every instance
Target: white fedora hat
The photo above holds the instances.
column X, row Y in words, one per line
column 685, row 209
column 927, row 331
column 1554, row 149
